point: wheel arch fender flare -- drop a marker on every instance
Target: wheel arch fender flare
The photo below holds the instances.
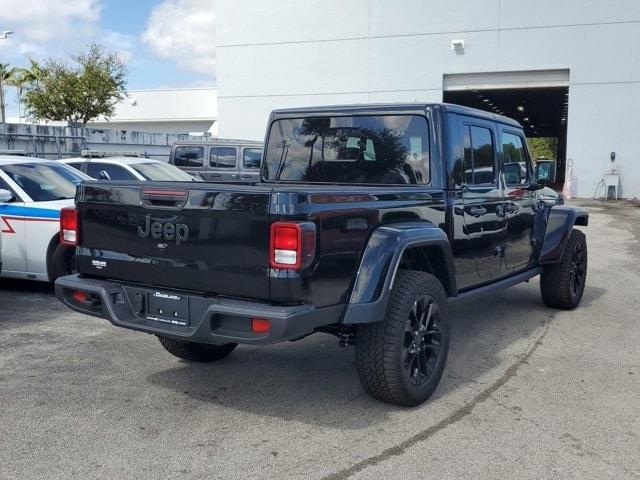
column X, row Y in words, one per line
column 380, row 262
column 51, row 248
column 560, row 222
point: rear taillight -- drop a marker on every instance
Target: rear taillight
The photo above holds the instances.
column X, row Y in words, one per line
column 292, row 245
column 69, row 227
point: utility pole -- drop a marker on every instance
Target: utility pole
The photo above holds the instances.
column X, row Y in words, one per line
column 3, row 36
column 2, row 117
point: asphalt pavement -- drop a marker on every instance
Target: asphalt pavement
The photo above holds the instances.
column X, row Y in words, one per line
column 528, row 392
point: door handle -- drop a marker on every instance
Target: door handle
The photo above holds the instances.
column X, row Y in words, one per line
column 215, row 175
column 477, row 211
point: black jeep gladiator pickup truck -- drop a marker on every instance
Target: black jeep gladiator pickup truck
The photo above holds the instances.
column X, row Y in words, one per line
column 368, row 220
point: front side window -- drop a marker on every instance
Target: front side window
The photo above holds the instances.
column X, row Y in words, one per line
column 363, row 149
column 187, row 156
column 514, row 160
column 222, row 157
column 251, row 158
column 45, row 181
column 115, row 172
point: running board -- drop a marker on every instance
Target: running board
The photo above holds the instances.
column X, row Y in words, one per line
column 496, row 286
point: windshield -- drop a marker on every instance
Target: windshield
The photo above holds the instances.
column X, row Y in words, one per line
column 45, row 181
column 159, row 172
column 380, row 149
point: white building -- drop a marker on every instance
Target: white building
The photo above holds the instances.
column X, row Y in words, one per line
column 168, row 110
column 572, row 65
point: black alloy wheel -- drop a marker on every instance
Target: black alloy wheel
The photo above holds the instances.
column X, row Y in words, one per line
column 422, row 340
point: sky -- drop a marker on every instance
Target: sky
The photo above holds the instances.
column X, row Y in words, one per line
column 165, row 43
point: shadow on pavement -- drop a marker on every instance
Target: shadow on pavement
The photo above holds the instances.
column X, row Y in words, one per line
column 26, row 302
column 315, row 382
column 8, row 285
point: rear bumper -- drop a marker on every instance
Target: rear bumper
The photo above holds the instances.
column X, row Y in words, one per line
column 211, row 319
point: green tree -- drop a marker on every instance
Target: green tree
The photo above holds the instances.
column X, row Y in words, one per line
column 544, row 147
column 89, row 87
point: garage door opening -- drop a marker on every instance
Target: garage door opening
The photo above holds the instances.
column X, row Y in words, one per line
column 538, row 100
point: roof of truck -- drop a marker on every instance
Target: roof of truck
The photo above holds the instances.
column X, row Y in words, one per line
column 380, row 107
column 221, row 141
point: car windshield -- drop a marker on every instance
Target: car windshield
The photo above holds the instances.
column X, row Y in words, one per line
column 159, row 172
column 366, row 149
column 45, row 181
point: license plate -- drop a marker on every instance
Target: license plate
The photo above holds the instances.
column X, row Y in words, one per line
column 168, row 308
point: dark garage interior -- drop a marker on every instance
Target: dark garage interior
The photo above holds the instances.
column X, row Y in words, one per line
column 541, row 111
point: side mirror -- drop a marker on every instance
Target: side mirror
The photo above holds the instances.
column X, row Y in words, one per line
column 103, row 175
column 545, row 172
column 6, row 196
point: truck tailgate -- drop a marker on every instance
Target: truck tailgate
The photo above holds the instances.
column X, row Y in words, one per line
column 204, row 237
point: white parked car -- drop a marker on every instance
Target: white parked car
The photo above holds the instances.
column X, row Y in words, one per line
column 29, row 217
column 128, row 168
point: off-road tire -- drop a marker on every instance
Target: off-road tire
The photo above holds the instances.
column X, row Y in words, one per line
column 196, row 352
column 381, row 347
column 62, row 262
column 557, row 282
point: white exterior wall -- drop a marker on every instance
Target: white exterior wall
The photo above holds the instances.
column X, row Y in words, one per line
column 168, row 110
column 315, row 52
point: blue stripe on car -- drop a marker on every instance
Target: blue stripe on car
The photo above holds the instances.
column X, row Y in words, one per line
column 19, row 211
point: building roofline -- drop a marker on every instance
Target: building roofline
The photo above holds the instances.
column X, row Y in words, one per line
column 170, row 89
column 153, row 119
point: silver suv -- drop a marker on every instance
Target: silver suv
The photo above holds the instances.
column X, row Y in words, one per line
column 222, row 160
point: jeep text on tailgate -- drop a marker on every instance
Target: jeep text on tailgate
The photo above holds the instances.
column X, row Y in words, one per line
column 367, row 222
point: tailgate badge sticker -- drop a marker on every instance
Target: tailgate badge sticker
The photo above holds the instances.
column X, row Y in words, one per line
column 99, row 264
column 166, row 296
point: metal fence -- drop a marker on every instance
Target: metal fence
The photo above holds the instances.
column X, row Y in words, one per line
column 62, row 142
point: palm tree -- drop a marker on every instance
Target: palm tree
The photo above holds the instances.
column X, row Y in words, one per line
column 7, row 73
column 24, row 77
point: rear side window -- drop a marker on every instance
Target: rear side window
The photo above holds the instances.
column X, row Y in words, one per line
column 479, row 158
column 359, row 149
column 222, row 157
column 514, row 159
column 251, row 158
column 187, row 156
column 76, row 165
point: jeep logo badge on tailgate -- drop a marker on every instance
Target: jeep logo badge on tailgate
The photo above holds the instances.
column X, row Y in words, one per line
column 167, row 231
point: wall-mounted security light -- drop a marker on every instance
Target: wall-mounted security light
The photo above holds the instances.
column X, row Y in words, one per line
column 457, row 45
